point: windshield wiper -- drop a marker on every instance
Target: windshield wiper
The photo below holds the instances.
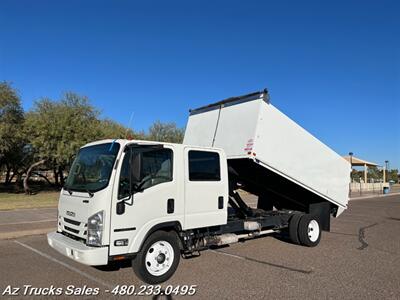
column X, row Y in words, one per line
column 68, row 189
column 91, row 194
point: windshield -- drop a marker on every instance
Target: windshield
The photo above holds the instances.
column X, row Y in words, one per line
column 91, row 169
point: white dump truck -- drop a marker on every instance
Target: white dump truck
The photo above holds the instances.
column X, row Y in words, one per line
column 153, row 203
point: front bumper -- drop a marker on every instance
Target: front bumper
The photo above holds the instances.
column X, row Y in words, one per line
column 92, row 256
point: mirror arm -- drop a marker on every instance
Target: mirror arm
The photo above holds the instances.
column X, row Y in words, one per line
column 130, row 199
column 121, row 204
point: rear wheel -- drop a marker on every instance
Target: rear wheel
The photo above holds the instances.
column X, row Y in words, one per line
column 158, row 259
column 293, row 228
column 309, row 230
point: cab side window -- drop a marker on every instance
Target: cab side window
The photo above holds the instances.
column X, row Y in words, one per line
column 152, row 167
column 204, row 166
column 156, row 167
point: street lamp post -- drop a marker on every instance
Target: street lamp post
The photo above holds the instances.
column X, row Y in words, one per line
column 386, row 170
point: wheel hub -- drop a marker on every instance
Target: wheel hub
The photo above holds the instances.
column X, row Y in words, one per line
column 313, row 230
column 159, row 258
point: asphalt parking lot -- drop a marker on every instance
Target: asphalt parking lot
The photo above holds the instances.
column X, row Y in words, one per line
column 358, row 259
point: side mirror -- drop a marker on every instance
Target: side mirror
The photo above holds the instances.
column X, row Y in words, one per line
column 122, row 203
column 121, row 207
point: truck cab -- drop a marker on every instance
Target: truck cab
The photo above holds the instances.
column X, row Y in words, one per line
column 119, row 192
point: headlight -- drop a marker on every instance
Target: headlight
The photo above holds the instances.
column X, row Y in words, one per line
column 95, row 229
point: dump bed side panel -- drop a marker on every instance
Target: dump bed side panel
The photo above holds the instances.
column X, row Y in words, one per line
column 255, row 129
column 285, row 146
column 201, row 127
column 237, row 127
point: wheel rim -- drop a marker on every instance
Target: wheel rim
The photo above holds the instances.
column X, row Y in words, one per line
column 159, row 258
column 313, row 230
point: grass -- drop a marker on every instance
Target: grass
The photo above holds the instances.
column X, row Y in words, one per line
column 10, row 201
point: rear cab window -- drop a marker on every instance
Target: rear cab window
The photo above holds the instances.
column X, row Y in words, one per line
column 204, row 166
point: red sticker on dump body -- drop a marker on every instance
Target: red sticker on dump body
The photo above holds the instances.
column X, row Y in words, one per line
column 249, row 145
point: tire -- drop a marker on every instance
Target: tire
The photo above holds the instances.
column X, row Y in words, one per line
column 293, row 228
column 309, row 230
column 153, row 263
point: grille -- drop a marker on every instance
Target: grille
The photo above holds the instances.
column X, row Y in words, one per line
column 73, row 222
column 74, row 228
column 71, row 229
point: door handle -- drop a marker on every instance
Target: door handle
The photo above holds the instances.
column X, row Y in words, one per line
column 220, row 202
column 170, row 206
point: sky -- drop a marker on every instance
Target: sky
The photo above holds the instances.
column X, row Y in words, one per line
column 333, row 67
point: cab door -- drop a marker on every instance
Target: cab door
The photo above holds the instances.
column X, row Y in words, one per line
column 206, row 188
column 150, row 170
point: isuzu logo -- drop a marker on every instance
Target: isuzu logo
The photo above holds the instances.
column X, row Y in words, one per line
column 70, row 213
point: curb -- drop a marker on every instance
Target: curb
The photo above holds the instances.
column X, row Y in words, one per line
column 374, row 196
column 22, row 233
column 26, row 208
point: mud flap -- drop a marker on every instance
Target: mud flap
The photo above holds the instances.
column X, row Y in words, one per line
column 323, row 210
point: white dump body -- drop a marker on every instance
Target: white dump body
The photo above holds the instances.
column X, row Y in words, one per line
column 250, row 127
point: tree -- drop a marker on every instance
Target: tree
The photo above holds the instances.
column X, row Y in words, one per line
column 109, row 129
column 56, row 130
column 393, row 175
column 11, row 123
column 374, row 173
column 52, row 132
column 17, row 161
column 165, row 132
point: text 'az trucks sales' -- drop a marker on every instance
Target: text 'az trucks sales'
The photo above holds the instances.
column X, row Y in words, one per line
column 154, row 203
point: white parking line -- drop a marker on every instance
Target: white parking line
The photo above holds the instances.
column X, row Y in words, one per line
column 97, row 280
column 28, row 222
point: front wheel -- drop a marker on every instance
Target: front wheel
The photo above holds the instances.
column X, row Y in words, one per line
column 158, row 259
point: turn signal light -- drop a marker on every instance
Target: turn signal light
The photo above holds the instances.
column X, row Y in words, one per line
column 123, row 242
